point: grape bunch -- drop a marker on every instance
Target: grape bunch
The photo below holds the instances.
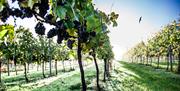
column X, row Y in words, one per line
column 62, row 34
column 42, row 7
column 66, row 35
column 77, row 24
column 59, row 36
column 70, row 43
column 22, row 13
column 60, row 31
column 49, row 17
column 27, row 13
column 52, row 32
column 5, row 13
column 59, row 39
column 60, row 24
column 40, row 29
column 84, row 36
column 17, row 13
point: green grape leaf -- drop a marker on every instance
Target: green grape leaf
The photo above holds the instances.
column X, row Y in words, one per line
column 115, row 24
column 3, row 33
column 61, row 12
column 93, row 23
column 24, row 3
column 7, row 30
column 72, row 32
column 2, row 2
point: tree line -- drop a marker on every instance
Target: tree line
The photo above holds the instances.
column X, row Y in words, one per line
column 164, row 45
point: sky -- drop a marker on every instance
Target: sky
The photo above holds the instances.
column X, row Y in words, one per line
column 155, row 14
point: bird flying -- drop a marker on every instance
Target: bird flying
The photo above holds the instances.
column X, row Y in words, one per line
column 140, row 19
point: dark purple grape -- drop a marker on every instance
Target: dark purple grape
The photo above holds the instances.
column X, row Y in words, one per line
column 60, row 24
column 49, row 17
column 17, row 13
column 70, row 43
column 40, row 29
column 43, row 7
column 77, row 24
column 59, row 39
column 27, row 13
column 84, row 36
column 52, row 32
column 5, row 13
column 66, row 35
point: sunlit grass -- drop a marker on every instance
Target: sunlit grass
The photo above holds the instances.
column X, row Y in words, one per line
column 125, row 77
column 71, row 83
column 135, row 77
column 64, row 81
column 17, row 83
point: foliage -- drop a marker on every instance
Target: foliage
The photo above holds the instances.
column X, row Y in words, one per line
column 158, row 45
column 6, row 31
column 73, row 21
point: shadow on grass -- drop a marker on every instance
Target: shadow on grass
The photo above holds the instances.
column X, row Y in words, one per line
column 71, row 83
column 154, row 79
column 20, row 79
column 89, row 77
column 75, row 86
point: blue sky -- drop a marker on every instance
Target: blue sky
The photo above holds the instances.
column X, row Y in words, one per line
column 155, row 14
column 162, row 10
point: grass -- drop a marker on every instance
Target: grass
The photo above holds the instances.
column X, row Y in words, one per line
column 135, row 77
column 125, row 77
column 15, row 83
column 163, row 64
column 71, row 83
column 66, row 81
